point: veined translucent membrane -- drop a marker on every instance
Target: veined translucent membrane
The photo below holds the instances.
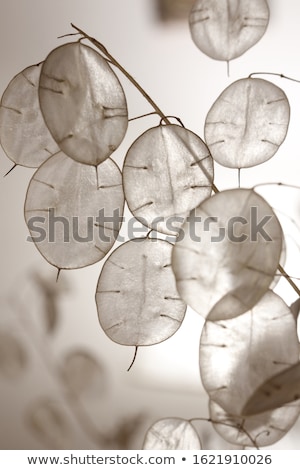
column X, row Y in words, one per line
column 240, row 354
column 137, row 300
column 262, row 429
column 74, row 211
column 247, row 123
column 225, row 29
column 167, row 172
column 227, row 254
column 278, row 390
column 24, row 135
column 83, row 103
column 172, row 434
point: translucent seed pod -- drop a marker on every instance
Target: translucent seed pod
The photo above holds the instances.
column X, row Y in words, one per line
column 83, row 103
column 167, row 172
column 24, row 135
column 226, row 29
column 74, row 211
column 217, row 260
column 247, row 123
column 251, row 348
column 137, row 300
column 172, row 434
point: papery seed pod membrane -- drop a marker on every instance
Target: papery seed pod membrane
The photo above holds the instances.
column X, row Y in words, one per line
column 172, row 434
column 226, row 29
column 137, row 300
column 263, row 429
column 283, row 388
column 250, row 348
column 24, row 135
column 217, row 261
column 167, row 172
column 74, row 211
column 83, row 103
column 247, row 123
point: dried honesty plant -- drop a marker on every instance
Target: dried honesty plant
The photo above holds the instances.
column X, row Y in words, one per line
column 247, row 123
column 220, row 252
column 20, row 117
column 226, row 29
column 172, row 434
column 167, row 172
column 71, row 193
column 217, row 263
column 83, row 103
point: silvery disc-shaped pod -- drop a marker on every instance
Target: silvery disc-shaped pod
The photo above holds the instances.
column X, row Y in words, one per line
column 137, row 299
column 263, row 429
column 247, row 123
column 83, row 103
column 172, row 434
column 24, row 135
column 167, row 172
column 225, row 29
column 217, row 259
column 74, row 211
column 238, row 355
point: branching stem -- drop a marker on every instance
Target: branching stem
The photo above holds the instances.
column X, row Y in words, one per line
column 113, row 61
column 164, row 118
column 235, row 426
column 274, row 74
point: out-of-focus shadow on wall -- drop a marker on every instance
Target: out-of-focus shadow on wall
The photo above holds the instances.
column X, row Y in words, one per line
column 173, row 10
column 55, row 397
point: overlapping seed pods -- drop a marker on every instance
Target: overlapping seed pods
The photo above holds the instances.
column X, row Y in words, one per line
column 74, row 211
column 83, row 103
column 247, row 123
column 137, row 299
column 167, row 172
column 21, row 119
column 217, row 261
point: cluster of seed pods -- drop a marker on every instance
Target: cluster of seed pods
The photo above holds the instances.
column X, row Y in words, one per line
column 66, row 116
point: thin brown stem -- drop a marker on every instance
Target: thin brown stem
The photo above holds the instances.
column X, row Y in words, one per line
column 290, row 281
column 164, row 118
column 290, row 277
column 113, row 61
column 142, row 116
column 235, row 426
column 274, row 74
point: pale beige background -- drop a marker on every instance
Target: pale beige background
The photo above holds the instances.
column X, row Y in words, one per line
column 165, row 379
